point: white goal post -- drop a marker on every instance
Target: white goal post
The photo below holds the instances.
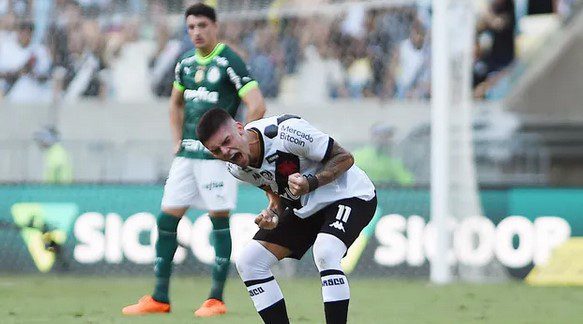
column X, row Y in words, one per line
column 454, row 190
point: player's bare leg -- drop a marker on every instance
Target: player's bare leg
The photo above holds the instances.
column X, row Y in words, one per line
column 166, row 245
column 221, row 240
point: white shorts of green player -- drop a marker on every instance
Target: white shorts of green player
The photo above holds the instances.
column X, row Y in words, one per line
column 201, row 184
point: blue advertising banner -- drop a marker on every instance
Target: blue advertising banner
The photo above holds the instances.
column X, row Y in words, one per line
column 111, row 229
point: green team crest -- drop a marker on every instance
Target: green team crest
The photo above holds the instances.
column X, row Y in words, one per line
column 199, row 75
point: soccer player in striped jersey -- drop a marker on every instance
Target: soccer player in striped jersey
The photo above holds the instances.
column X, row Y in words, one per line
column 317, row 197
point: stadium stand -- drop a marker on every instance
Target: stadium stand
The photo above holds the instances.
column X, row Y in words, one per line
column 339, row 57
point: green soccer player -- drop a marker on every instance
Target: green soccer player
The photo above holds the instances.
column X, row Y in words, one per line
column 211, row 76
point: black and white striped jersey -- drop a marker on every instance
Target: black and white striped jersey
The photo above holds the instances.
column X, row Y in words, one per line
column 290, row 144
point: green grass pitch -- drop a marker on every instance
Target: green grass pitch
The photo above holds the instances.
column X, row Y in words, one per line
column 55, row 299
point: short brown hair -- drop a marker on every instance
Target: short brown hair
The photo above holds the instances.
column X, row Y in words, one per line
column 210, row 122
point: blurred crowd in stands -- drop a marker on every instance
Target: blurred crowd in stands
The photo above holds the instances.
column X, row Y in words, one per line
column 498, row 32
column 62, row 50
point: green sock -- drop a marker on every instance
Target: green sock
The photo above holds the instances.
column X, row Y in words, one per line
column 221, row 240
column 165, row 248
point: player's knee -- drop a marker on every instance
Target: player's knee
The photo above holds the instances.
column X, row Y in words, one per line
column 167, row 223
column 328, row 252
column 175, row 211
column 243, row 263
column 255, row 262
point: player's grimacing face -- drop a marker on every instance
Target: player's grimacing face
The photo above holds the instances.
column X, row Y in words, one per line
column 229, row 144
column 202, row 31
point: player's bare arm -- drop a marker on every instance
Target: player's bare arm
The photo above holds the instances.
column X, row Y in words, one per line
column 176, row 117
column 268, row 218
column 255, row 104
column 339, row 162
column 274, row 200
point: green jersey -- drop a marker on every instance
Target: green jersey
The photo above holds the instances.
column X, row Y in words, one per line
column 219, row 79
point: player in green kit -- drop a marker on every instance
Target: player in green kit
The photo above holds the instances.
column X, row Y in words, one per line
column 211, row 76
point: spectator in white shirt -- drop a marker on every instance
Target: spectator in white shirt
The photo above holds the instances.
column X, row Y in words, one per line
column 24, row 67
column 409, row 72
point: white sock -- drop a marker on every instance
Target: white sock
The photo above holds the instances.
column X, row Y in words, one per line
column 254, row 266
column 328, row 251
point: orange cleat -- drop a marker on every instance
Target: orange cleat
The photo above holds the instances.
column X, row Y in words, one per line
column 146, row 305
column 211, row 307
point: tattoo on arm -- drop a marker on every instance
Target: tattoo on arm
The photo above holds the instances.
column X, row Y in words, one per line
column 339, row 162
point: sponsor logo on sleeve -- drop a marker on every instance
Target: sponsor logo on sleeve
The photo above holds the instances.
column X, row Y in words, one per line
column 177, row 72
column 235, row 78
column 222, row 61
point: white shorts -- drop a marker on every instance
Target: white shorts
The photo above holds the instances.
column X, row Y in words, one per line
column 202, row 184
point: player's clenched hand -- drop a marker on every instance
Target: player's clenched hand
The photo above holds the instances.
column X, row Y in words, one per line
column 298, row 184
column 267, row 219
